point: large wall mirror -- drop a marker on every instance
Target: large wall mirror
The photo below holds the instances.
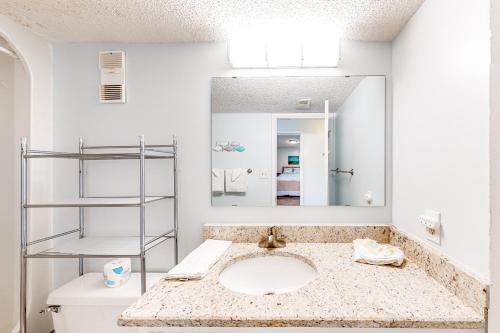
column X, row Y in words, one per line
column 298, row 141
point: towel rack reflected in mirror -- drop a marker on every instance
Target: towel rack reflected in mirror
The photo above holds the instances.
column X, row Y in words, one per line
column 351, row 172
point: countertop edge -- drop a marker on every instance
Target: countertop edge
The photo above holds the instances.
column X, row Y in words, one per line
column 350, row 323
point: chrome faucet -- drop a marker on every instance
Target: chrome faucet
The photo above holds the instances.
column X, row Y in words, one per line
column 271, row 241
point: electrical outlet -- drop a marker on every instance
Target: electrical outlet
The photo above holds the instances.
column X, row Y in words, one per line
column 263, row 174
column 431, row 220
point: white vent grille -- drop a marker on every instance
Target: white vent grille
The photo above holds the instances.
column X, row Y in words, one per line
column 111, row 92
column 113, row 59
column 112, row 65
column 303, row 104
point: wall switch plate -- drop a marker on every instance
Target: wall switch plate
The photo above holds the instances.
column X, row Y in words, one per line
column 431, row 220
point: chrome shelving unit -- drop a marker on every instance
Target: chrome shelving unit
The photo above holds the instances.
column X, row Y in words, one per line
column 97, row 247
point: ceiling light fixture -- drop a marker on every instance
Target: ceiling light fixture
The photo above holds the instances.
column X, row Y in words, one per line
column 285, row 47
column 247, row 50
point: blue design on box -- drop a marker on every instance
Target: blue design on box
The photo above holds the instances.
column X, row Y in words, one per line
column 110, row 283
column 118, row 270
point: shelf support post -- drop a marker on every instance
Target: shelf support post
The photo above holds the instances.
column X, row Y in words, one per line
column 176, row 202
column 24, row 237
column 81, row 194
column 142, row 215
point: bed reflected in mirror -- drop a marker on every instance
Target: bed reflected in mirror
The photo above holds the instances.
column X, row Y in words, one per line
column 288, row 176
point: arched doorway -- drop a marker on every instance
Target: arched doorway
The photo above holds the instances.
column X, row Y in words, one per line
column 26, row 89
column 14, row 112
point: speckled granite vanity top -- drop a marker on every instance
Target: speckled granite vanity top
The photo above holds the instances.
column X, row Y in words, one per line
column 344, row 294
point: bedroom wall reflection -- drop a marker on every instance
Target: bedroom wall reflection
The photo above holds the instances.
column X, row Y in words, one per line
column 298, row 141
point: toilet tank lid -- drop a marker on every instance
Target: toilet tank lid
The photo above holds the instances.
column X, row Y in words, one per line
column 89, row 290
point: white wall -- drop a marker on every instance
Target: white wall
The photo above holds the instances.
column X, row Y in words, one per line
column 314, row 178
column 494, row 320
column 7, row 213
column 360, row 141
column 282, row 156
column 169, row 92
column 253, row 131
column 441, row 126
column 33, row 118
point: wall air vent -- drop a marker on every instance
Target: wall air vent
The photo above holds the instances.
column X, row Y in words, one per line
column 112, row 66
column 303, row 104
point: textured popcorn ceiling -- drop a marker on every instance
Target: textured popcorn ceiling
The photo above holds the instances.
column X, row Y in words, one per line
column 202, row 20
column 280, row 94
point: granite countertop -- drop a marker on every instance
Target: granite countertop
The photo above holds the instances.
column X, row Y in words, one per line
column 344, row 294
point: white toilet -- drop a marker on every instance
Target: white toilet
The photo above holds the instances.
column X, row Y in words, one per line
column 86, row 305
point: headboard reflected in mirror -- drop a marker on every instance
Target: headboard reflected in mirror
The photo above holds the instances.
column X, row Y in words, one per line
column 309, row 141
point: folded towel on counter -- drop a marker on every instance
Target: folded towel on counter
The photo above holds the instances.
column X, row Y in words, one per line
column 236, row 180
column 217, row 180
column 197, row 264
column 369, row 251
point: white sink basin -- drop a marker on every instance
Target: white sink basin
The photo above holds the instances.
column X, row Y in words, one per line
column 267, row 275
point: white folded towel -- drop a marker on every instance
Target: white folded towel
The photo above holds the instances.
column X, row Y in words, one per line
column 197, row 264
column 236, row 180
column 369, row 251
column 217, row 180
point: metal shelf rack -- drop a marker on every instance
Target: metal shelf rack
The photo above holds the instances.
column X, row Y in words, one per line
column 97, row 247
